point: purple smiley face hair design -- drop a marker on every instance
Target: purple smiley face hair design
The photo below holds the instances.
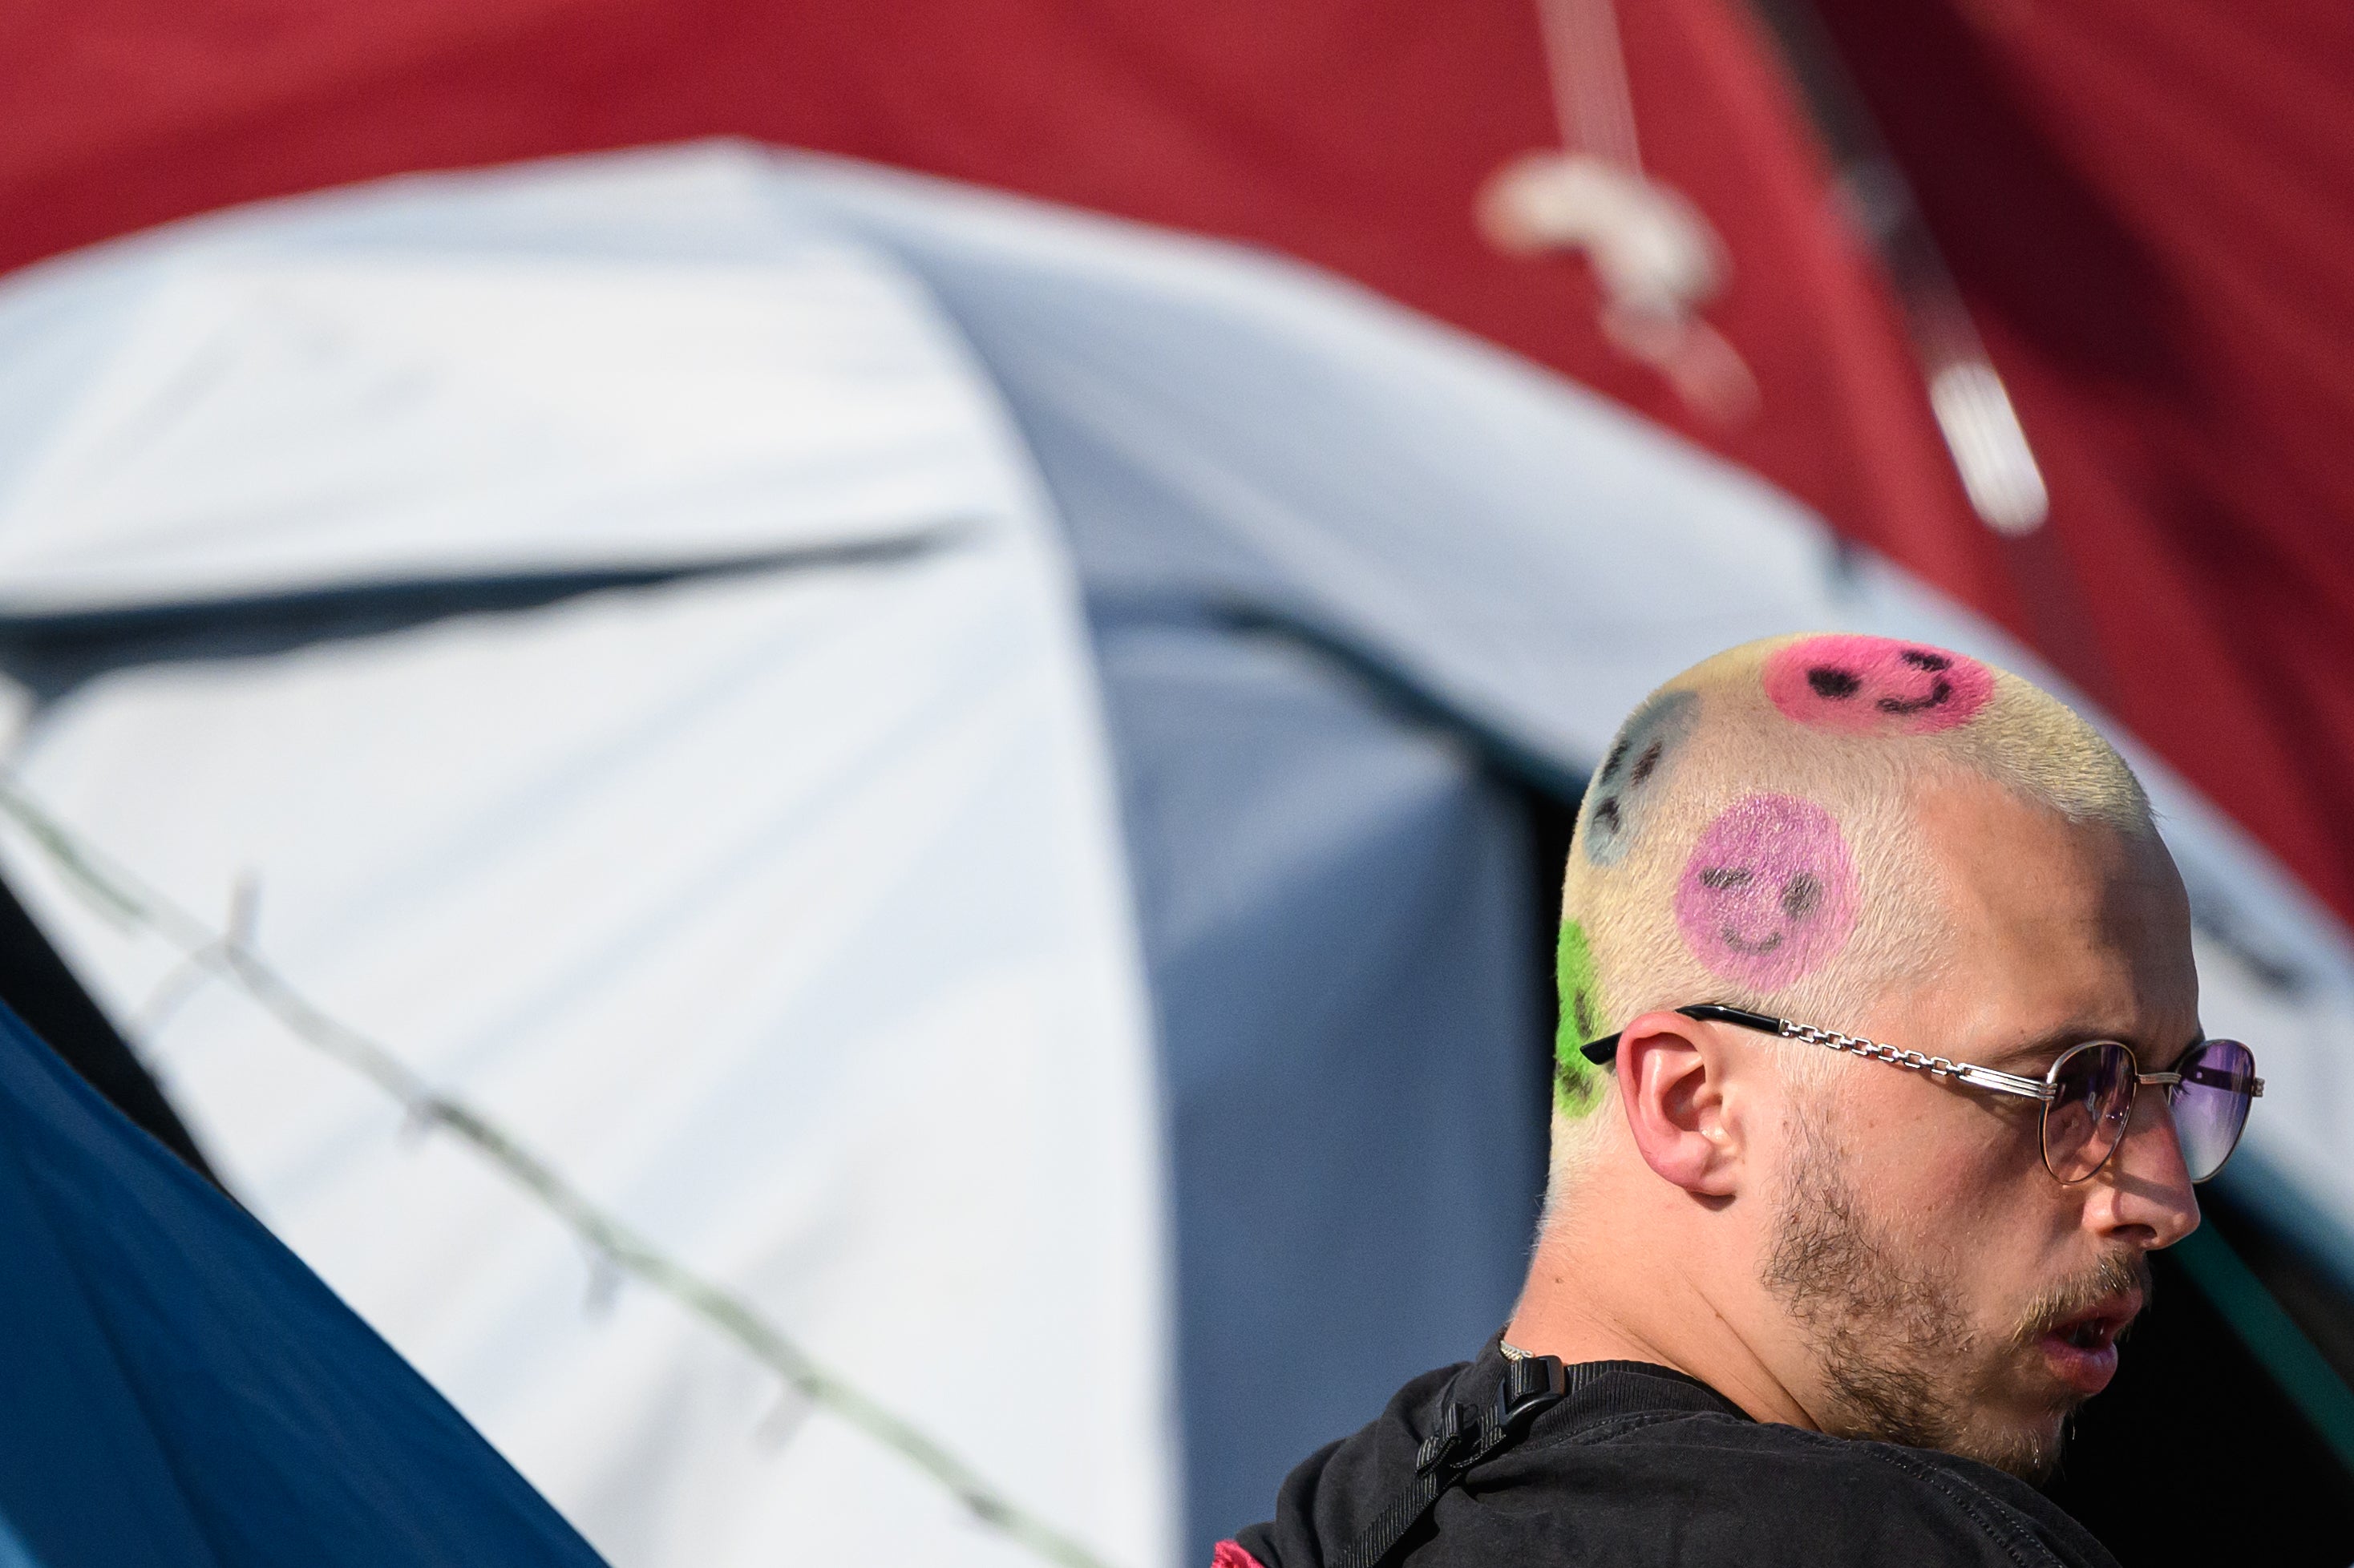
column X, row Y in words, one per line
column 1769, row 893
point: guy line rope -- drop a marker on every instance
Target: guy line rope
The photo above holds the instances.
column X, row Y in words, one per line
column 227, row 955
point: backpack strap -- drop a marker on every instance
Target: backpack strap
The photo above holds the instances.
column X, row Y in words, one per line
column 1464, row 1440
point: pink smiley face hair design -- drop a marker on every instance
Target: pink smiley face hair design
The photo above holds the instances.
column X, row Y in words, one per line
column 1769, row 893
column 1875, row 685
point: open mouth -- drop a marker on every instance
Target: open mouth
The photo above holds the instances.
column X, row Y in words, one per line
column 2089, row 1336
column 2082, row 1348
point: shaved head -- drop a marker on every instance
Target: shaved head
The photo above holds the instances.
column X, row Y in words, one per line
column 1901, row 843
column 1756, row 836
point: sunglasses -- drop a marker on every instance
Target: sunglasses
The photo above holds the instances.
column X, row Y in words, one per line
column 2087, row 1094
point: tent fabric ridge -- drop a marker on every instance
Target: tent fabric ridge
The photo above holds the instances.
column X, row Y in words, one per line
column 914, row 538
column 226, row 955
column 902, row 540
column 1413, row 695
column 51, row 651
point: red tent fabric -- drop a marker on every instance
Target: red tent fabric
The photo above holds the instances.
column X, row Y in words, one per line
column 2147, row 212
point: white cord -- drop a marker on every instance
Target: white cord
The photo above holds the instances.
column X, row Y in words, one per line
column 1591, row 98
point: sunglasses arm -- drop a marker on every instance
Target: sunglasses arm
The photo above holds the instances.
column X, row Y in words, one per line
column 1977, row 1077
column 1966, row 1073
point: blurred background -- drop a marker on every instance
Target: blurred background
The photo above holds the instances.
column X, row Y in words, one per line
column 834, row 742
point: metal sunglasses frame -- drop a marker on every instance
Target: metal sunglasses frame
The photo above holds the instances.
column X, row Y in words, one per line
column 2044, row 1090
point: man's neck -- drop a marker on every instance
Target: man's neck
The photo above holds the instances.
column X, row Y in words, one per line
column 1588, row 1300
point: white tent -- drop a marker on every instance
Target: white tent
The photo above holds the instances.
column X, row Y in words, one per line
column 703, row 660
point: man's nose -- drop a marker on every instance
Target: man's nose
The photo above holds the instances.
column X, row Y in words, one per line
column 2145, row 1197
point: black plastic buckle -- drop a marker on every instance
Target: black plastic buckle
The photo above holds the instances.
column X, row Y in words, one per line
column 1532, row 1385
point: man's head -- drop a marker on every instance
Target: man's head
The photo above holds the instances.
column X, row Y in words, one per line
column 1897, row 842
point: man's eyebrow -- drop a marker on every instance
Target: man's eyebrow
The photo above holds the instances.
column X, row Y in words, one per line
column 2041, row 1052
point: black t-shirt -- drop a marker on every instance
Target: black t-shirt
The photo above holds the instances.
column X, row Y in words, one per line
column 1642, row 1465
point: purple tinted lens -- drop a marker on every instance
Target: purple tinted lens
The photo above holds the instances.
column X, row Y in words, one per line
column 2085, row 1118
column 2210, row 1104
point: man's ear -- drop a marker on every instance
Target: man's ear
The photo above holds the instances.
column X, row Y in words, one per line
column 1672, row 1081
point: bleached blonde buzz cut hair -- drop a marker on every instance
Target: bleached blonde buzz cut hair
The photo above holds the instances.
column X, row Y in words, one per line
column 1750, row 836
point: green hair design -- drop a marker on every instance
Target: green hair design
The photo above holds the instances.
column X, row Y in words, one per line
column 1576, row 1081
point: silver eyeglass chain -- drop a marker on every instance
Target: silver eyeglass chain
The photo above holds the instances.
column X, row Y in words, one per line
column 1856, row 1044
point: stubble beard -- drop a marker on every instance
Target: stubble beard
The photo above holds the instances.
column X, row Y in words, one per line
column 1898, row 1355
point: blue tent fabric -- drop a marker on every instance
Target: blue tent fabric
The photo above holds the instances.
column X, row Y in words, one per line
column 180, row 1389
column 1336, row 906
